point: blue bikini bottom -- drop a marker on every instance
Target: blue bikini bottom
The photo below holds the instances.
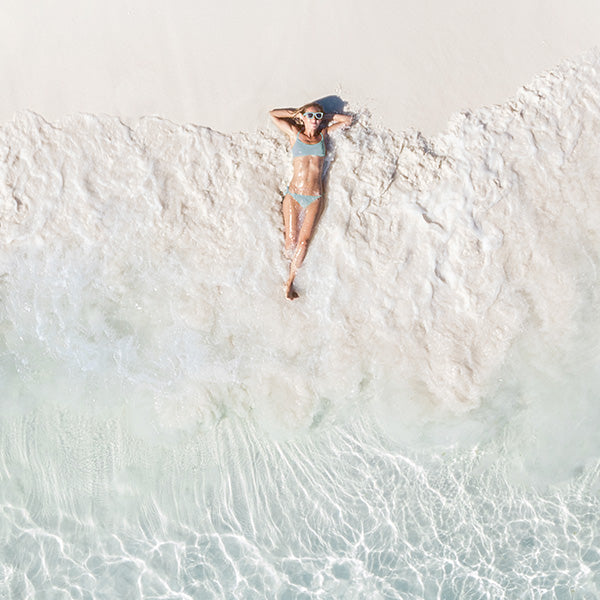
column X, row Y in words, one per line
column 303, row 201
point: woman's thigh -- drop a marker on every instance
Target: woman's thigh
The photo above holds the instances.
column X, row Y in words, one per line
column 291, row 212
column 311, row 214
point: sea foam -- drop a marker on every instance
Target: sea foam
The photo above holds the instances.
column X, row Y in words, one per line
column 421, row 422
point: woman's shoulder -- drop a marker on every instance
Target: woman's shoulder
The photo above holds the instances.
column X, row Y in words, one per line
column 294, row 133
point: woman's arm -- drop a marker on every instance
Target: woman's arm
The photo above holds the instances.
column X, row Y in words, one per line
column 336, row 121
column 282, row 117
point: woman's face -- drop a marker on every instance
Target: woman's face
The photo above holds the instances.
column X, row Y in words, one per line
column 311, row 123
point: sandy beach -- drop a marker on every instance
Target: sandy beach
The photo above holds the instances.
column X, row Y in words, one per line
column 225, row 64
column 422, row 422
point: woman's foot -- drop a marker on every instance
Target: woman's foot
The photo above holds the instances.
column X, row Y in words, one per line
column 290, row 292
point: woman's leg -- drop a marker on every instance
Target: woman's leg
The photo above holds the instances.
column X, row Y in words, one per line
column 304, row 235
column 291, row 211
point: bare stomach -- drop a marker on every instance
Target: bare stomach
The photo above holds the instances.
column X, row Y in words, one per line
column 307, row 176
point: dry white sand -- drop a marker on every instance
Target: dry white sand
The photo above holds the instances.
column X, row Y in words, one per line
column 225, row 63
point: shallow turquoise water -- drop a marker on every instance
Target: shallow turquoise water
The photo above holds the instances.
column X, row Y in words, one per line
column 421, row 423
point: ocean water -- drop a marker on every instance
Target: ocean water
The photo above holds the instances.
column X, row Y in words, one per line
column 421, row 423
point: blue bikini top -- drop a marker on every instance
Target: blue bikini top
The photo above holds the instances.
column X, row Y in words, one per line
column 300, row 148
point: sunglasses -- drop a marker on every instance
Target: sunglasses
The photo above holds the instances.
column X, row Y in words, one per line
column 318, row 115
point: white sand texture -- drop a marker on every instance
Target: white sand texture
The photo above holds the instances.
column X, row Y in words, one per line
column 224, row 64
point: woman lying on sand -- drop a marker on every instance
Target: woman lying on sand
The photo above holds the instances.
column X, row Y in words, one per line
column 306, row 130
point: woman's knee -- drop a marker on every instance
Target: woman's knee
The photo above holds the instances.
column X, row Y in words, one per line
column 301, row 247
